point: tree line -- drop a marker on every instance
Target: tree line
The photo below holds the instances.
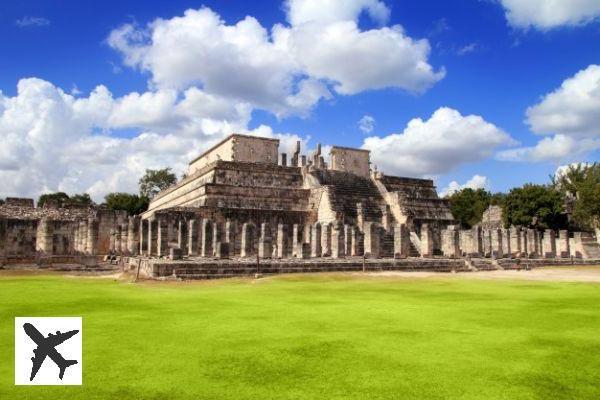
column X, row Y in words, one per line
column 571, row 200
column 152, row 182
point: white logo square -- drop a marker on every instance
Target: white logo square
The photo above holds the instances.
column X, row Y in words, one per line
column 48, row 351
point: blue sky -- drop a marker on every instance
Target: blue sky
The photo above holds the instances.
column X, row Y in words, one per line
column 499, row 58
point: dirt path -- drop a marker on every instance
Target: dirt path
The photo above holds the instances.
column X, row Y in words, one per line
column 559, row 274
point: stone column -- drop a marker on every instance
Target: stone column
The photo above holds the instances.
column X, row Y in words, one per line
column 297, row 240
column 124, row 237
column 487, row 242
column 182, row 235
column 576, row 245
column 247, row 240
column 163, row 237
column 91, row 246
column 515, row 241
column 426, row 241
column 360, row 215
column 477, row 249
column 496, row 243
column 401, row 241
column 563, row 244
column 282, row 241
column 348, row 239
column 450, row 242
column 217, row 236
column 265, row 244
column 112, row 246
column 152, row 237
column 506, row 248
column 284, row 159
column 532, row 244
column 192, row 237
column 230, row 236
column 45, row 236
column 207, row 233
column 143, row 237
column 524, row 244
column 549, row 244
column 372, row 241
column 315, row 240
column 326, row 240
column 539, row 239
column 337, row 240
column 357, row 245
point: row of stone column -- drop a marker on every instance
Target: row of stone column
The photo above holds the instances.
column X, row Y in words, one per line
column 166, row 236
column 83, row 236
column 124, row 237
column 505, row 243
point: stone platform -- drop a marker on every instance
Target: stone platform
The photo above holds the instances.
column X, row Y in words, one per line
column 207, row 268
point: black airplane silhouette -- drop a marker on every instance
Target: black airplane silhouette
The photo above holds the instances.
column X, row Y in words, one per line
column 46, row 347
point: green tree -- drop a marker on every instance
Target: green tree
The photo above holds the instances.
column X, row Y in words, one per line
column 82, row 199
column 132, row 203
column 1, row 201
column 535, row 206
column 581, row 183
column 59, row 197
column 498, row 199
column 467, row 205
column 154, row 181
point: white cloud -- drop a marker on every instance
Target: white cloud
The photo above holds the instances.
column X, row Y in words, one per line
column 548, row 14
column 355, row 61
column 286, row 70
column 572, row 109
column 470, row 48
column 558, row 148
column 52, row 140
column 328, row 11
column 366, row 124
column 571, row 114
column 32, row 21
column 435, row 146
column 476, row 182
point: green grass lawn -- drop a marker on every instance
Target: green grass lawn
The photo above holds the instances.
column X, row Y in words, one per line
column 317, row 337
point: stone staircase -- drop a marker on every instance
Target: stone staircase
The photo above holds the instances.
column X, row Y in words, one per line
column 345, row 190
column 415, row 245
column 590, row 246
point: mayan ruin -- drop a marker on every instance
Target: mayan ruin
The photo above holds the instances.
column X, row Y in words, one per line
column 245, row 208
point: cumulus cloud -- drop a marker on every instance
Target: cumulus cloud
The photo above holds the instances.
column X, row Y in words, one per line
column 366, row 124
column 557, row 148
column 328, row 11
column 52, row 140
column 571, row 114
column 476, row 182
column 572, row 109
column 548, row 14
column 437, row 145
column 285, row 70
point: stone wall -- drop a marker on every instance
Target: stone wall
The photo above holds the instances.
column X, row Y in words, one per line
column 355, row 161
column 239, row 148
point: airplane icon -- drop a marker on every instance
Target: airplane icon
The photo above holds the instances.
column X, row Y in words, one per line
column 46, row 347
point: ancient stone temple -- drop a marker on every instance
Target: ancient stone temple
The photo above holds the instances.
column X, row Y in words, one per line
column 243, row 190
